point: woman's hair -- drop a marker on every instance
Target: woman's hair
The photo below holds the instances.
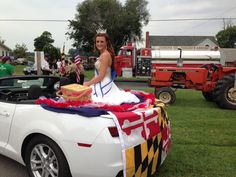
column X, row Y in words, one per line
column 109, row 46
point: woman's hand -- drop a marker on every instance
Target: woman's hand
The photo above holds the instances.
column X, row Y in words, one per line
column 86, row 84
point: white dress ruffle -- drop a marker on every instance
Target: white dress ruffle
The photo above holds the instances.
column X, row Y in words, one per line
column 107, row 92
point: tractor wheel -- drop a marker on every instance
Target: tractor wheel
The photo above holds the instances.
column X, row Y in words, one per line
column 166, row 95
column 209, row 96
column 225, row 92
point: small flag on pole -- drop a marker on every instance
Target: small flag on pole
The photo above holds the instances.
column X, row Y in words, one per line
column 77, row 63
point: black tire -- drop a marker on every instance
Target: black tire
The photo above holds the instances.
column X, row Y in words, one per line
column 209, row 96
column 166, row 95
column 46, row 157
column 225, row 92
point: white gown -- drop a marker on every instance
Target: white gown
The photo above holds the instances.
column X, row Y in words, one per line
column 107, row 92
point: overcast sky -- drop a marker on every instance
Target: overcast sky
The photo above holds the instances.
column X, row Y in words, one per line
column 25, row 32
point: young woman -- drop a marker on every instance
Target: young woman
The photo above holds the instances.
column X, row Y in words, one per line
column 104, row 89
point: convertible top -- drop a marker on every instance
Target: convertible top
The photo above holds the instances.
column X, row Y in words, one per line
column 18, row 88
column 27, row 77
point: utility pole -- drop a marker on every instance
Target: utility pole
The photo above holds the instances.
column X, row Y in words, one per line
column 224, row 23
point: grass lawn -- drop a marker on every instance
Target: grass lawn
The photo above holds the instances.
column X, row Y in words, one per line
column 19, row 69
column 203, row 137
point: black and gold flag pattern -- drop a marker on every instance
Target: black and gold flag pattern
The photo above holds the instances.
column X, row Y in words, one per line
column 145, row 138
column 144, row 159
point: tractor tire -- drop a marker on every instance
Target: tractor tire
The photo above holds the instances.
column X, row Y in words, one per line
column 225, row 93
column 209, row 96
column 166, row 95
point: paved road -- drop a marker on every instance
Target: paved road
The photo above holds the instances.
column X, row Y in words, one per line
column 10, row 168
column 132, row 85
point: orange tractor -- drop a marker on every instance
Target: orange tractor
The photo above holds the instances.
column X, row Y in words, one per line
column 216, row 82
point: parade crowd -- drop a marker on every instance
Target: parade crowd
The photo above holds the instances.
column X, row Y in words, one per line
column 70, row 68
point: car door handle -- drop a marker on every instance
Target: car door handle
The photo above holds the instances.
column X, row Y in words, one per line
column 4, row 113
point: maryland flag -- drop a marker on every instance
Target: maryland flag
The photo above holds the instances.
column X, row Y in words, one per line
column 145, row 139
column 144, row 159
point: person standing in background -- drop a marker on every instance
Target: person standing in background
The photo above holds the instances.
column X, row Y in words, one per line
column 67, row 69
column 54, row 68
column 6, row 69
column 72, row 71
column 45, row 66
column 61, row 66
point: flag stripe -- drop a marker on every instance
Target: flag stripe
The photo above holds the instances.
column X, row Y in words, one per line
column 77, row 63
column 137, row 156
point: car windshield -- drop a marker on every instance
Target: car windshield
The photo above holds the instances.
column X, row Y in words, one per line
column 23, row 83
column 21, row 89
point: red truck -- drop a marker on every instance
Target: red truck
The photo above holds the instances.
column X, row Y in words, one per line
column 139, row 62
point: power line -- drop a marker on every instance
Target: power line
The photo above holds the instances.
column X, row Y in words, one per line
column 152, row 20
column 216, row 17
column 193, row 19
column 32, row 20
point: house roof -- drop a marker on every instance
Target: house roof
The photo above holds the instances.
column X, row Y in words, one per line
column 4, row 46
column 178, row 40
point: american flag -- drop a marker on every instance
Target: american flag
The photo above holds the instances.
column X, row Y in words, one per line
column 77, row 62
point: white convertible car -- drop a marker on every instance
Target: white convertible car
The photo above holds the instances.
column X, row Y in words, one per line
column 52, row 144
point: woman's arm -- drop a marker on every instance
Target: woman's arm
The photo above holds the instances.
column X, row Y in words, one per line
column 105, row 60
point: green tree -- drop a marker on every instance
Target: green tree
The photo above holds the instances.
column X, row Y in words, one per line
column 44, row 43
column 71, row 51
column 43, row 40
column 53, row 52
column 20, row 51
column 122, row 22
column 227, row 38
column 135, row 17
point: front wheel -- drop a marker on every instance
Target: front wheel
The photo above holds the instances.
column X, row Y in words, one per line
column 44, row 158
column 166, row 95
column 225, row 92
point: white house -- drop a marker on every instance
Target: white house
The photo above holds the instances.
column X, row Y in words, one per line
column 184, row 42
column 4, row 50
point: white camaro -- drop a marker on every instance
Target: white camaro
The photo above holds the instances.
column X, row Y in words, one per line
column 53, row 144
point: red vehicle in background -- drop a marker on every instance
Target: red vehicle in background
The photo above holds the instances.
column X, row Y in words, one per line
column 189, row 68
column 137, row 62
column 216, row 82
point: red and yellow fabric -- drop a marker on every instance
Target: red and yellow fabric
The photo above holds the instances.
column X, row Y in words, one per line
column 145, row 140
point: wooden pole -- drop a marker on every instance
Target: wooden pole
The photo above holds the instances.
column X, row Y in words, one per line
column 38, row 56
